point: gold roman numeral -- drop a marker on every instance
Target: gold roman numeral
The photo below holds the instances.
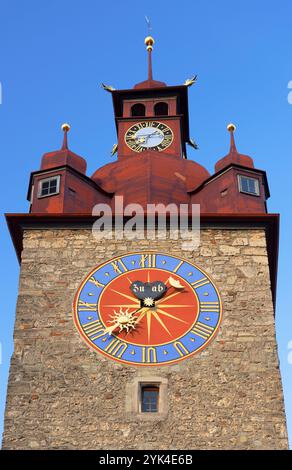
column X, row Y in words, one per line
column 210, row 307
column 202, row 330
column 116, row 348
column 94, row 329
column 178, row 266
column 119, row 266
column 148, row 261
column 200, row 283
column 149, row 355
column 181, row 349
column 96, row 282
column 86, row 306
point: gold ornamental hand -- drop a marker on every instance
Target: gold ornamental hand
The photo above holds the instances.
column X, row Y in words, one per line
column 125, row 320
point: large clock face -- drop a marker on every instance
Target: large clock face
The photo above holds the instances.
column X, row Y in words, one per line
column 149, row 135
column 147, row 309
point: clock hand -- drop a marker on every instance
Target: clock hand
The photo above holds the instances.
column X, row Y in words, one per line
column 154, row 134
column 146, row 136
column 126, row 320
column 175, row 283
column 140, row 139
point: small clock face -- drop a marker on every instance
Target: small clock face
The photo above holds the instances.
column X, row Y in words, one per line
column 147, row 309
column 149, row 135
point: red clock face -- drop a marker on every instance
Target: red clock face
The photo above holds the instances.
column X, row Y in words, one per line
column 147, row 309
column 167, row 319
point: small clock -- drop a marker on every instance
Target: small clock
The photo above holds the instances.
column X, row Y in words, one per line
column 147, row 309
column 152, row 135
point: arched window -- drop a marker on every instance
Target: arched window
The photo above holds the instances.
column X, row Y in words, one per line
column 138, row 109
column 161, row 109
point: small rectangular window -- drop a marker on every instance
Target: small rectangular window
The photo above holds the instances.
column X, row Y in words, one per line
column 249, row 185
column 149, row 398
column 49, row 186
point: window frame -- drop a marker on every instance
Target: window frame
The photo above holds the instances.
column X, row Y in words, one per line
column 45, row 180
column 149, row 387
column 257, row 185
column 133, row 397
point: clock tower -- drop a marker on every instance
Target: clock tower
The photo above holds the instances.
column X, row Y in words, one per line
column 144, row 341
column 151, row 116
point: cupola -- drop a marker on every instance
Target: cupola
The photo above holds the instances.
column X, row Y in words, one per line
column 233, row 156
column 64, row 156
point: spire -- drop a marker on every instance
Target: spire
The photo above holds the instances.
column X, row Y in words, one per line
column 233, row 156
column 149, row 41
column 65, row 128
column 149, row 83
column 64, row 156
column 232, row 128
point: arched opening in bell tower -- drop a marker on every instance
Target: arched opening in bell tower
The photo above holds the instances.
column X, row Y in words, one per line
column 138, row 109
column 161, row 109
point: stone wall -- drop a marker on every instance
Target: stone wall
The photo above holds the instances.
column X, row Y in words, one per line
column 61, row 394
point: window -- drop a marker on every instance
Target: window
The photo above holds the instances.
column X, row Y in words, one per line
column 138, row 109
column 161, row 109
column 49, row 186
column 249, row 185
column 149, row 398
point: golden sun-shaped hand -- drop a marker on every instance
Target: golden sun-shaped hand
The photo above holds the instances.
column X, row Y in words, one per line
column 124, row 320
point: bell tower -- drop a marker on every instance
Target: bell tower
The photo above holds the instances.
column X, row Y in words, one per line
column 143, row 342
column 151, row 117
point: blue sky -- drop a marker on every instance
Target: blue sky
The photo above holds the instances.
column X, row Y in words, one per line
column 53, row 57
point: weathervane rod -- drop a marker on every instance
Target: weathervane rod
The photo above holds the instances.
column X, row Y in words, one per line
column 149, row 41
column 148, row 25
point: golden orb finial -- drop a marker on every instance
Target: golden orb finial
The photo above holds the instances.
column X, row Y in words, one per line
column 149, row 41
column 231, row 127
column 65, row 127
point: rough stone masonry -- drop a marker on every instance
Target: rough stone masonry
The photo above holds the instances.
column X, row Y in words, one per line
column 63, row 395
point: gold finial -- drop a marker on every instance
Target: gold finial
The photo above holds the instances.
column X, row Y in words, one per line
column 149, row 41
column 65, row 127
column 231, row 127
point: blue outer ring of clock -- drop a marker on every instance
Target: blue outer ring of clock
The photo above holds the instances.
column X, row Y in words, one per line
column 203, row 330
